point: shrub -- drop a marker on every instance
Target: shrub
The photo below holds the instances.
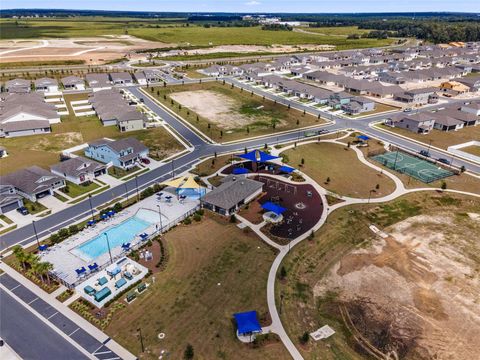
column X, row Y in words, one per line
column 188, row 354
column 233, row 218
column 187, row 221
column 197, row 217
column 117, row 207
column 304, row 338
column 63, row 233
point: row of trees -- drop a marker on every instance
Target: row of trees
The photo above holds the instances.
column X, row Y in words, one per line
column 31, row 264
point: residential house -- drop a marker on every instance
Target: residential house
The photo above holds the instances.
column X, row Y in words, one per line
column 18, row 86
column 152, row 75
column 337, row 100
column 73, row 83
column 358, row 105
column 444, row 122
column 79, row 170
column 472, row 108
column 453, row 88
column 421, row 123
column 97, row 82
column 33, row 183
column 418, row 96
column 121, row 78
column 46, row 85
column 468, row 119
column 26, row 114
column 472, row 82
column 140, row 78
column 131, row 120
column 124, row 153
column 9, row 199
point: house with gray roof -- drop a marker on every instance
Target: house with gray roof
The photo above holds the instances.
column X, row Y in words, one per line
column 472, row 108
column 18, row 86
column 152, row 75
column 121, row 78
column 231, row 194
column 79, row 170
column 358, row 105
column 420, row 123
column 73, row 83
column 123, row 153
column 445, row 122
column 26, row 114
column 46, row 85
column 33, row 183
column 9, row 199
column 418, row 96
column 97, row 82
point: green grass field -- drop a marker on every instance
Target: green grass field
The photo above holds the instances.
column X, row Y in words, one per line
column 347, row 175
column 261, row 113
column 176, row 33
column 214, row 270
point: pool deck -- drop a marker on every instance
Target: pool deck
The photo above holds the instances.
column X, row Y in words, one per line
column 65, row 256
column 125, row 264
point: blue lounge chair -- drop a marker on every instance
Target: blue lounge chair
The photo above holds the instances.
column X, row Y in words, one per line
column 102, row 281
column 93, row 267
column 89, row 290
column 120, row 283
column 80, row 271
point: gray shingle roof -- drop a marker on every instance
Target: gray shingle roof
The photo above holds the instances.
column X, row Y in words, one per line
column 230, row 193
column 76, row 166
column 31, row 180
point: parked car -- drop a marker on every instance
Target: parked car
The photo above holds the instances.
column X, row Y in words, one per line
column 145, row 161
column 424, row 153
column 142, row 100
column 407, row 110
column 323, row 131
column 23, row 210
column 444, row 161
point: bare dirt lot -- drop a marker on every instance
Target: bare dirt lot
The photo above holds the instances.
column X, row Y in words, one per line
column 93, row 50
column 220, row 109
column 416, row 292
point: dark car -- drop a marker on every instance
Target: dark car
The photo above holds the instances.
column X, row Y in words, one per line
column 424, row 153
column 23, row 210
column 444, row 161
column 145, row 161
column 142, row 100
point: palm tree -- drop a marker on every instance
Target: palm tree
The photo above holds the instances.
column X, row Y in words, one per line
column 20, row 255
column 31, row 259
column 44, row 268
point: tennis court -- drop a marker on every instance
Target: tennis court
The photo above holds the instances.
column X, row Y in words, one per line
column 417, row 168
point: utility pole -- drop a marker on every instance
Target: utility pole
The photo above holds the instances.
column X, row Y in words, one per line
column 35, row 231
column 91, row 207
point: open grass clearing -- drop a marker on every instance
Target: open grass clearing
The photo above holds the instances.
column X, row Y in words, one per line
column 74, row 190
column 224, row 113
column 439, row 139
column 347, row 229
column 347, row 175
column 474, row 150
column 214, row 270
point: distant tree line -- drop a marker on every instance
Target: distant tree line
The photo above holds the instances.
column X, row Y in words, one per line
column 277, row 27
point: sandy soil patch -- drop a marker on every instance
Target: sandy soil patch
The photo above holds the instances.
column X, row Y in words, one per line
column 58, row 142
column 217, row 108
column 416, row 292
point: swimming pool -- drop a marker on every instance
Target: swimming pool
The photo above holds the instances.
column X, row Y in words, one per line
column 117, row 235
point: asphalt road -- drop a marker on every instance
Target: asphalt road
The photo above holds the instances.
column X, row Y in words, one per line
column 37, row 340
column 202, row 148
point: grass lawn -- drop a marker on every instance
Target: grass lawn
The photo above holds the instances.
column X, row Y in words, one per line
column 74, row 190
column 348, row 176
column 191, row 73
column 44, row 150
column 440, row 139
column 474, row 150
column 258, row 115
column 211, row 166
column 33, row 207
column 346, row 229
column 6, row 219
column 60, row 197
column 119, row 173
column 214, row 269
column 20, row 64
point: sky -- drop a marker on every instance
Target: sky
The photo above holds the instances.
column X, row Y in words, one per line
column 253, row 6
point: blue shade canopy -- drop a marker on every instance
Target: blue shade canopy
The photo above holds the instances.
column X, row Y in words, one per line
column 43, row 247
column 247, row 322
column 240, row 171
column 363, row 137
column 262, row 156
column 286, row 169
column 277, row 209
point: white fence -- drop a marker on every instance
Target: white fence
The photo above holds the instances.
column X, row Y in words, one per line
column 456, row 149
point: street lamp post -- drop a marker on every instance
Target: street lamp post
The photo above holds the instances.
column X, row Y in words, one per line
column 126, row 190
column 109, row 250
column 91, row 207
column 136, row 185
column 35, row 231
column 370, row 195
column 160, row 217
column 429, row 146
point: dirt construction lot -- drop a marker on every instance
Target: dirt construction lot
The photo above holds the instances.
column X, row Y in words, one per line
column 419, row 286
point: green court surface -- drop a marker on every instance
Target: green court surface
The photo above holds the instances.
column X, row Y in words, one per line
column 418, row 168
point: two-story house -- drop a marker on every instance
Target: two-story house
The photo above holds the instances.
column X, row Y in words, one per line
column 124, row 153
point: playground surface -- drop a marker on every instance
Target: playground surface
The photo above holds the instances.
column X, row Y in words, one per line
column 415, row 167
column 303, row 203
